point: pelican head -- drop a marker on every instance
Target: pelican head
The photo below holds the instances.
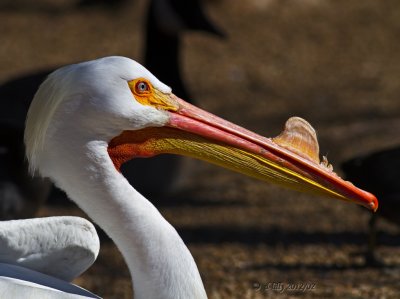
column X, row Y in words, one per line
column 117, row 102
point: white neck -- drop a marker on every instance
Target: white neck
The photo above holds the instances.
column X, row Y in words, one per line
column 160, row 264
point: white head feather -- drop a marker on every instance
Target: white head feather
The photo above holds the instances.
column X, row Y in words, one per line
column 105, row 79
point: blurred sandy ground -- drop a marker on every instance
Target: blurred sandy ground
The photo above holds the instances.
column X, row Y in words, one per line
column 335, row 63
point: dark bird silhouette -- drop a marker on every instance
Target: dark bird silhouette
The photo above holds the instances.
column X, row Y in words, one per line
column 16, row 183
column 167, row 21
column 101, row 3
column 379, row 173
column 20, row 194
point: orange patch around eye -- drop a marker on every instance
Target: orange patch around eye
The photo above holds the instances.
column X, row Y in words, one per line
column 142, row 96
column 151, row 96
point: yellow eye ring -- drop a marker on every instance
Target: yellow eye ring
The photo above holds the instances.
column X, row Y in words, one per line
column 144, row 93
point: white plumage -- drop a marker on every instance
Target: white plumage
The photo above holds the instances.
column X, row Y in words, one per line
column 20, row 282
column 63, row 247
column 38, row 257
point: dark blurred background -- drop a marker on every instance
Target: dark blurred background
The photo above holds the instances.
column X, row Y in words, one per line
column 334, row 63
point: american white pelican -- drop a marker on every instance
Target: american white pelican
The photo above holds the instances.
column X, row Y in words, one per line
column 87, row 119
column 20, row 193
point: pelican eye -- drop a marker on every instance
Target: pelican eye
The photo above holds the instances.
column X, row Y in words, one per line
column 142, row 87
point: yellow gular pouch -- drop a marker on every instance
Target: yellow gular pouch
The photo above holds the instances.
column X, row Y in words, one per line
column 146, row 94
